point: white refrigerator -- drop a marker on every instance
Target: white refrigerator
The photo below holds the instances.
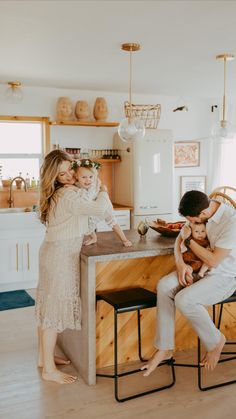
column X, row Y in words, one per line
column 144, row 178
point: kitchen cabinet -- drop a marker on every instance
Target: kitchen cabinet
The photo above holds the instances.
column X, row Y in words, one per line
column 19, row 249
column 122, row 217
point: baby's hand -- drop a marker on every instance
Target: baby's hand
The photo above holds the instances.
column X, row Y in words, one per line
column 127, row 243
column 189, row 280
column 103, row 188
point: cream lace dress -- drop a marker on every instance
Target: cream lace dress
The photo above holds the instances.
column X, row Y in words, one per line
column 58, row 304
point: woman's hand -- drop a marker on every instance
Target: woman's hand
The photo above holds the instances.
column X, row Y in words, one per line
column 103, row 188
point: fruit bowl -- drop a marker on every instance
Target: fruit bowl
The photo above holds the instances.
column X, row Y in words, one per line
column 166, row 229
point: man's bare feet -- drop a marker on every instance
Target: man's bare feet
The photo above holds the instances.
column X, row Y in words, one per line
column 59, row 377
column 211, row 358
column 156, row 359
column 58, row 361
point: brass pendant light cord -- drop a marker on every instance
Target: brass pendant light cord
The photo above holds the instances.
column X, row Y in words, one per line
column 224, row 99
column 130, row 78
column 225, row 57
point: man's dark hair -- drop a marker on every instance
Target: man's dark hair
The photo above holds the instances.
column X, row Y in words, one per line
column 193, row 203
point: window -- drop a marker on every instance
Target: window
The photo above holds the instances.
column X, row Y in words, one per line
column 22, row 146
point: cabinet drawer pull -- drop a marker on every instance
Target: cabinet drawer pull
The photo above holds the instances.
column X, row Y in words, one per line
column 28, row 257
column 17, row 258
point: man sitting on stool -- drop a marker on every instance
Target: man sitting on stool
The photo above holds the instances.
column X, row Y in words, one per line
column 218, row 284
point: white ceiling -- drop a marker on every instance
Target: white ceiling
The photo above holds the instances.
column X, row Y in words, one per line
column 76, row 44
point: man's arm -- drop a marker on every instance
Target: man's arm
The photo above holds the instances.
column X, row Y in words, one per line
column 184, row 271
column 211, row 258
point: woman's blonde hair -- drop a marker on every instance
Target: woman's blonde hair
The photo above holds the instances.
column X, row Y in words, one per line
column 48, row 180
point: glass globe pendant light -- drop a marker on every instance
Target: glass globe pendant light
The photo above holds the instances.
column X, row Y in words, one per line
column 131, row 128
column 14, row 93
column 223, row 130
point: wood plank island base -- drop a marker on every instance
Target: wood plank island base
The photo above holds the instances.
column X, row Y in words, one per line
column 107, row 265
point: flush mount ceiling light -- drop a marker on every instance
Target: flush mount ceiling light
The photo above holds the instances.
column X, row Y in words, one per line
column 131, row 128
column 223, row 130
column 14, row 92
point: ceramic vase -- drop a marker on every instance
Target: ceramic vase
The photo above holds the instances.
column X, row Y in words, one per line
column 64, row 109
column 100, row 110
column 82, row 110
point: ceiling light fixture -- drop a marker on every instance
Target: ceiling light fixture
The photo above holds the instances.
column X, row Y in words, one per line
column 14, row 92
column 131, row 128
column 223, row 130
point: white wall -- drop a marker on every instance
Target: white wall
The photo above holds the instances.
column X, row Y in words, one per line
column 192, row 125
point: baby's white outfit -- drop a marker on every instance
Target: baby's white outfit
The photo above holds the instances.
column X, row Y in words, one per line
column 90, row 195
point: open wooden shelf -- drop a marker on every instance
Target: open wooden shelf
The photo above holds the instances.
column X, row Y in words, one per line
column 85, row 123
column 103, row 161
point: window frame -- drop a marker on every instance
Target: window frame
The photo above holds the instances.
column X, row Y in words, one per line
column 45, row 135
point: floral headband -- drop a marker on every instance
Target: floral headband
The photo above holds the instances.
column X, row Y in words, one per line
column 85, row 163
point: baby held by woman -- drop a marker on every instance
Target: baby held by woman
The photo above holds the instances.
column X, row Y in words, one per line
column 88, row 185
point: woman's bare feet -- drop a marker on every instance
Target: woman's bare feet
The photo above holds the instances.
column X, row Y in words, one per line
column 211, row 358
column 59, row 377
column 58, row 361
column 156, row 359
column 61, row 361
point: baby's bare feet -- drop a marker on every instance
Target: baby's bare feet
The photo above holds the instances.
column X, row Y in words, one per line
column 90, row 241
column 59, row 377
column 156, row 359
column 127, row 243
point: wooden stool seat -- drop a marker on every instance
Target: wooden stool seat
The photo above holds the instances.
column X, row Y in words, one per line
column 129, row 299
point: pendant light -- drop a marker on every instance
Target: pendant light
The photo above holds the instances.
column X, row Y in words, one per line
column 14, row 93
column 131, row 128
column 223, row 130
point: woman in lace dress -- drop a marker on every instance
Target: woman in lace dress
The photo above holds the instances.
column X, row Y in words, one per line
column 65, row 215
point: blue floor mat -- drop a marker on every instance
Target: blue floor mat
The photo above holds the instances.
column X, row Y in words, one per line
column 15, row 299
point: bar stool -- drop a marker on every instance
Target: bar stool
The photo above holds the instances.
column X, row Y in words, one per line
column 202, row 387
column 123, row 301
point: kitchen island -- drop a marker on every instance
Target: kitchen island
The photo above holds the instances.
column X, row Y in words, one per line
column 108, row 265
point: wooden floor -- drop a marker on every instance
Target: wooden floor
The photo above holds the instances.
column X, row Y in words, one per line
column 23, row 395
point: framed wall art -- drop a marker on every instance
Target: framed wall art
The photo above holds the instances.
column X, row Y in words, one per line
column 187, row 154
column 190, row 183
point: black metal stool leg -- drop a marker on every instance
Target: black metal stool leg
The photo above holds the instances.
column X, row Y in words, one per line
column 220, row 316
column 116, row 376
column 140, row 338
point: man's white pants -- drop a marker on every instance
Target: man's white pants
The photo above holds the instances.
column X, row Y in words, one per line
column 192, row 302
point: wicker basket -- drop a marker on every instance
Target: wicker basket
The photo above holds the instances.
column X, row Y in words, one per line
column 150, row 114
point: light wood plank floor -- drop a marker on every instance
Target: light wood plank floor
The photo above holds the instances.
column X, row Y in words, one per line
column 23, row 395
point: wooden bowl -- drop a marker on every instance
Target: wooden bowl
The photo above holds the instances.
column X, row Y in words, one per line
column 165, row 230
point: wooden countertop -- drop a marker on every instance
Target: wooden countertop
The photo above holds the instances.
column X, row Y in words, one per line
column 109, row 247
column 121, row 207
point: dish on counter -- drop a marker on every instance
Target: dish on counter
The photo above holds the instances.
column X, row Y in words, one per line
column 166, row 229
